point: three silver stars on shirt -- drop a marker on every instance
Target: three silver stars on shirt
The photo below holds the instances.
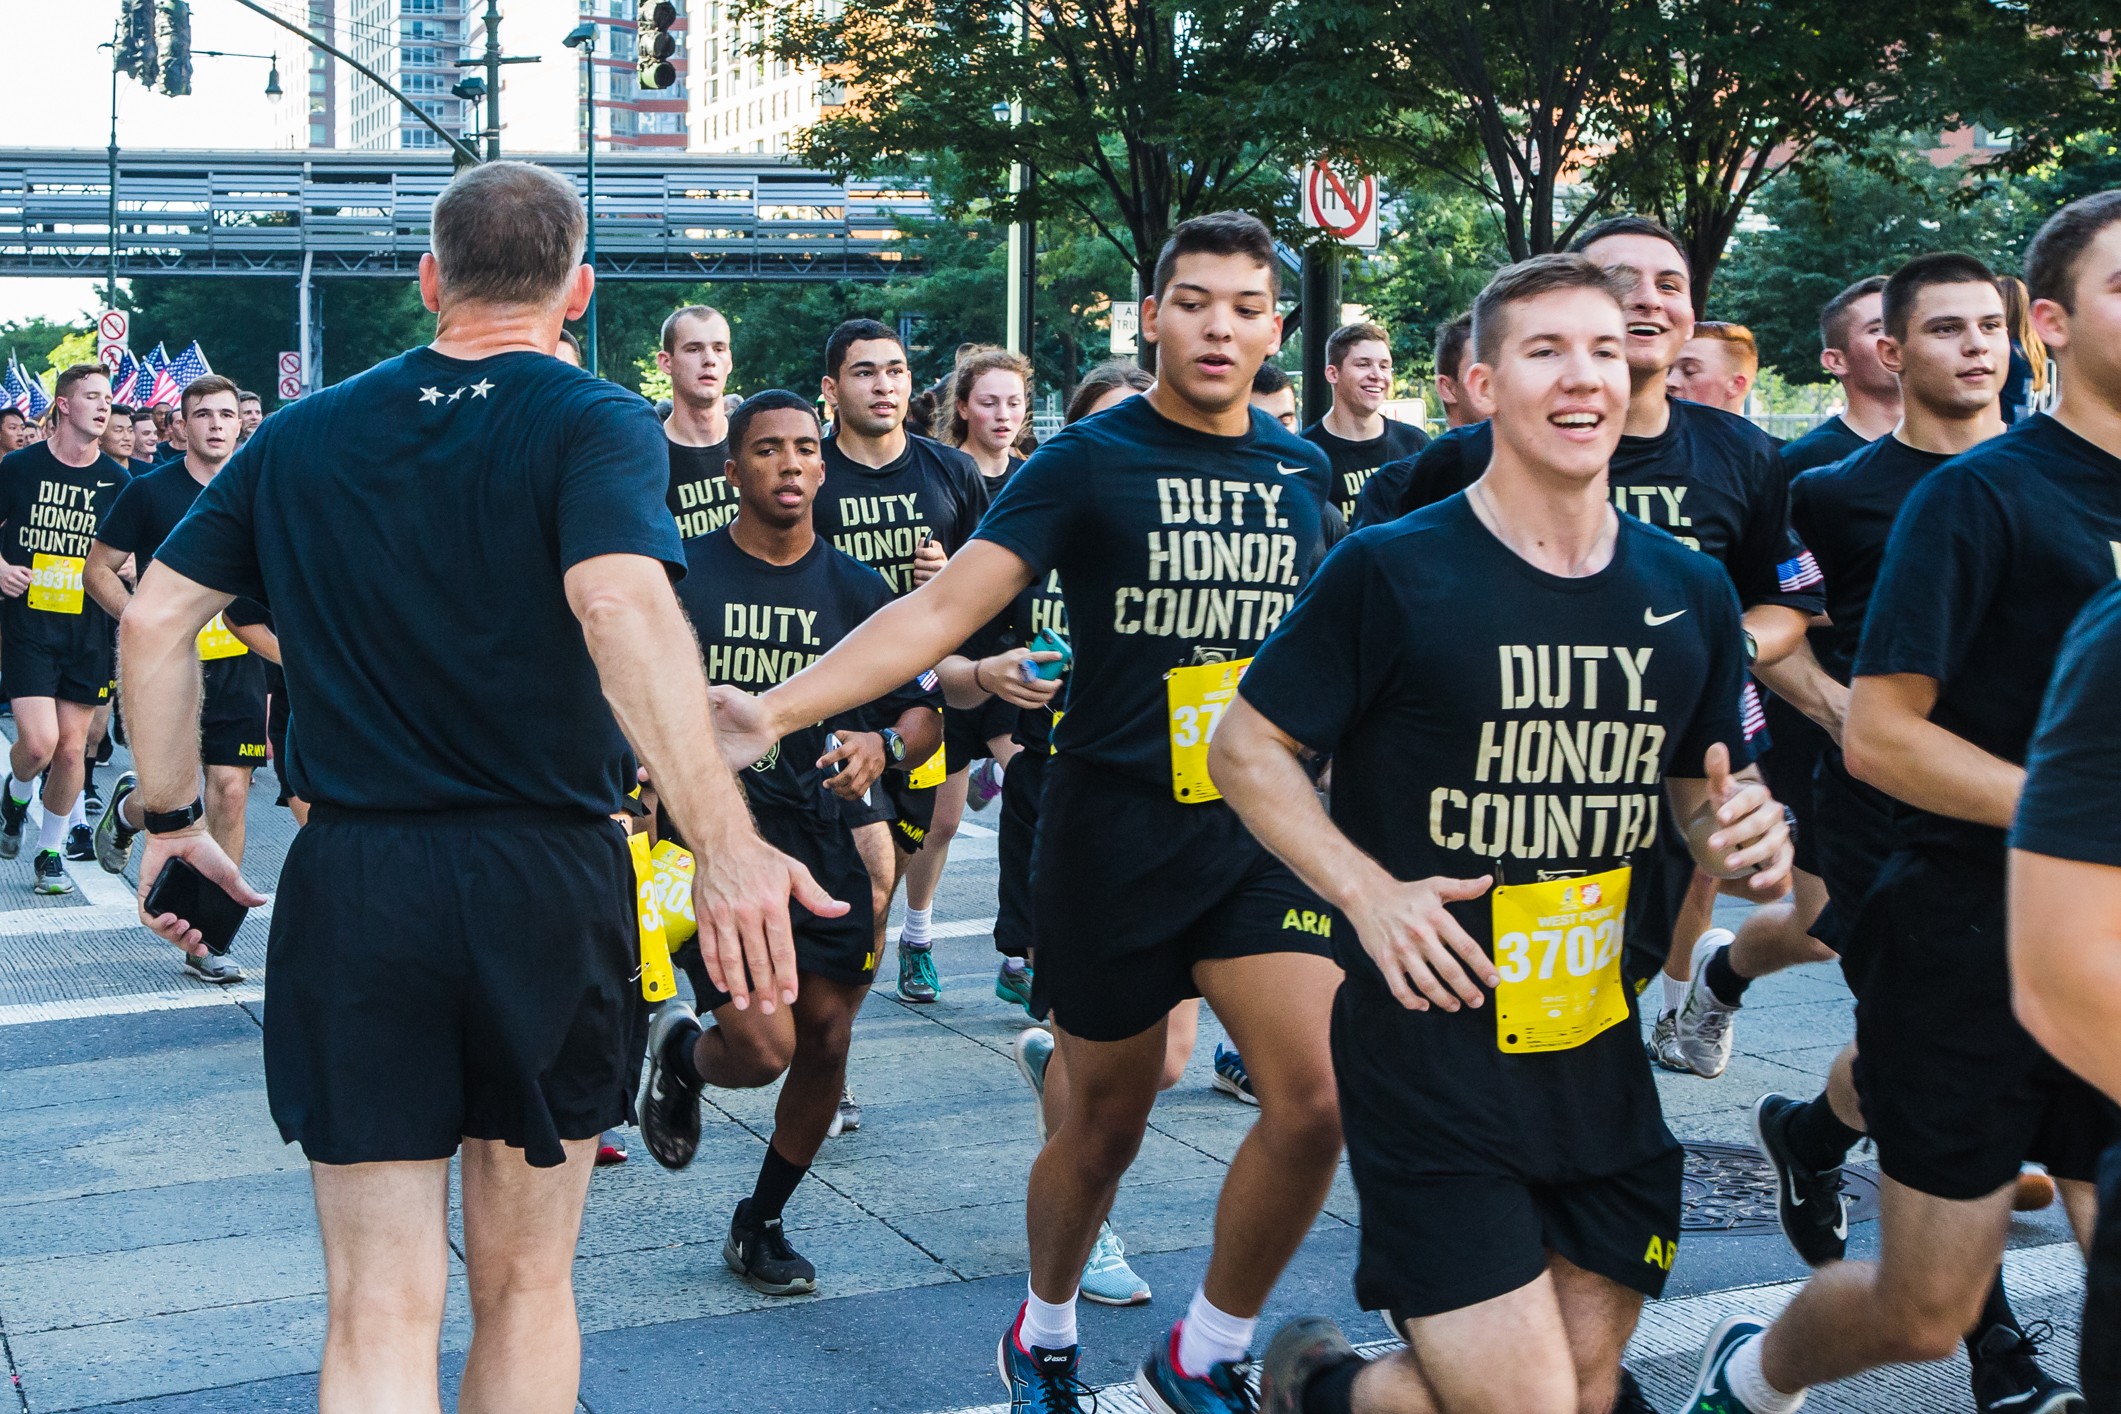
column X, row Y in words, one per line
column 431, row 396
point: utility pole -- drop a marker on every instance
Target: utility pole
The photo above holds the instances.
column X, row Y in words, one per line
column 1321, row 303
column 110, row 297
column 491, row 61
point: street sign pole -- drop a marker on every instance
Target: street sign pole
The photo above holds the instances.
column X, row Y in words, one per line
column 1321, row 304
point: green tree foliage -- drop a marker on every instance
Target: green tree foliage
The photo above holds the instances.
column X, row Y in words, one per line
column 243, row 324
column 1445, row 244
column 32, row 341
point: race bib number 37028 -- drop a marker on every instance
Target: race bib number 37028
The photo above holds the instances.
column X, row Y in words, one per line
column 1557, row 949
column 1198, row 696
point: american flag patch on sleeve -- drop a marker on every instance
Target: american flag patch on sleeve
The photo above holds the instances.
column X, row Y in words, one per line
column 1800, row 573
column 928, row 681
column 1752, row 717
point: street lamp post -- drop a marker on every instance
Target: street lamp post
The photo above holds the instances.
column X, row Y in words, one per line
column 584, row 37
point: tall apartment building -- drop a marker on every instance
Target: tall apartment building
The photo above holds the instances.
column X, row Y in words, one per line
column 627, row 117
column 413, row 43
column 745, row 101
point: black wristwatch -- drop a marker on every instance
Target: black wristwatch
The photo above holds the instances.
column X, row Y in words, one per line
column 168, row 822
column 894, row 745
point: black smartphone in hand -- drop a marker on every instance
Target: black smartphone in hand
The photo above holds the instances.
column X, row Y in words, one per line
column 199, row 901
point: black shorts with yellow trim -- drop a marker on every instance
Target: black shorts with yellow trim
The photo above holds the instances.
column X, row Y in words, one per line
column 838, row 949
column 1132, row 889
column 891, row 801
column 233, row 725
column 66, row 657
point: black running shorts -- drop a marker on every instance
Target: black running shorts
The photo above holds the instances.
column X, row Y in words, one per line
column 70, row 662
column 1663, row 873
column 838, row 949
column 2099, row 1361
column 1025, row 782
column 1787, row 765
column 465, row 974
column 232, row 718
column 966, row 731
column 1955, row 1092
column 1852, row 829
column 1133, row 888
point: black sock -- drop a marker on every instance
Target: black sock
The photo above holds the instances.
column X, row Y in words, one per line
column 1332, row 1391
column 1818, row 1137
column 88, row 782
column 777, row 1179
column 1723, row 979
column 677, row 1056
column 1995, row 1311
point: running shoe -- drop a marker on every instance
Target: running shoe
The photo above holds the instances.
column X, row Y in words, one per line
column 91, row 798
column 221, row 971
column 1631, row 1399
column 984, row 784
column 847, row 1118
column 1033, row 1051
column 917, row 979
column 1107, row 1279
column 1703, row 1022
column 667, row 1108
column 1041, row 1381
column 1013, row 985
column 1300, row 1351
column 2035, row 1190
column 760, row 1254
column 1166, row 1390
column 611, row 1149
column 2007, row 1378
column 1664, row 1044
column 13, row 813
column 1231, row 1076
column 51, row 873
column 80, row 844
column 1813, row 1209
column 114, row 842
column 1712, row 1387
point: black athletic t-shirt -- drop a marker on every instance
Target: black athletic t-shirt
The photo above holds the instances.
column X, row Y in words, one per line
column 140, row 520
column 2073, row 769
column 1174, row 547
column 410, row 529
column 1991, row 559
column 1487, row 717
column 760, row 624
column 1825, row 444
column 1710, row 479
column 1844, row 513
column 51, row 511
column 702, row 497
column 878, row 514
column 1353, row 462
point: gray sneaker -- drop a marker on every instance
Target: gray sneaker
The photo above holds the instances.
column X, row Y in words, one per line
column 219, row 970
column 51, row 873
column 114, row 842
column 846, row 1119
column 1702, row 1025
column 1664, row 1044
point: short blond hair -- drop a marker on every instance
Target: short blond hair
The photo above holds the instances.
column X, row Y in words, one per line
column 1744, row 349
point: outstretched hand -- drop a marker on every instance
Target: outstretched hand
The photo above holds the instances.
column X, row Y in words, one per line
column 200, row 850
column 741, row 889
column 742, row 727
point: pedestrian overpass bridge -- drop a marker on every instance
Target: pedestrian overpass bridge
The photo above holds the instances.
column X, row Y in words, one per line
column 324, row 213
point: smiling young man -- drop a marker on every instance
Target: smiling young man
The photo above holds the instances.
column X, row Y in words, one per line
column 1989, row 561
column 1182, row 524
column 1355, row 435
column 55, row 647
column 696, row 358
column 1516, row 686
column 766, row 596
column 232, row 719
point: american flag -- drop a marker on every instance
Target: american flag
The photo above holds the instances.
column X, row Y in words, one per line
column 14, row 387
column 1752, row 718
column 192, row 364
column 161, row 389
column 1800, row 573
column 39, row 401
column 125, row 383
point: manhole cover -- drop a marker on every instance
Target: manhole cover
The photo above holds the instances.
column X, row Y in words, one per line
column 1730, row 1188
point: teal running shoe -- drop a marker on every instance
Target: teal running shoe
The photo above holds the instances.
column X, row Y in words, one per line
column 1107, row 1279
column 1165, row 1390
column 1041, row 1381
column 917, row 979
column 1013, row 985
column 1712, row 1387
column 1231, row 1077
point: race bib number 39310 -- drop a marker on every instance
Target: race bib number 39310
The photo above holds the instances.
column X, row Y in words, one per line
column 1557, row 948
column 1198, row 696
column 55, row 583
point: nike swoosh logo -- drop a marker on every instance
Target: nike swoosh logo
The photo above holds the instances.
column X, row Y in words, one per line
column 1653, row 620
column 1287, row 470
column 105, row 485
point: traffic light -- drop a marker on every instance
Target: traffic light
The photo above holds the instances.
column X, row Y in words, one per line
column 658, row 44
column 173, row 46
column 136, row 41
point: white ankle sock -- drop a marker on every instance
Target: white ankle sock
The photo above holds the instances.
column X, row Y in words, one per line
column 1208, row 1335
column 917, row 924
column 79, row 814
column 1046, row 1325
column 1675, row 990
column 1750, row 1385
column 51, row 835
column 1014, row 964
column 20, row 791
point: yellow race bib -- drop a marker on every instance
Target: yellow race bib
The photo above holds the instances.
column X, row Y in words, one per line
column 658, row 982
column 215, row 641
column 55, row 583
column 1198, row 697
column 930, row 773
column 673, row 894
column 1557, row 947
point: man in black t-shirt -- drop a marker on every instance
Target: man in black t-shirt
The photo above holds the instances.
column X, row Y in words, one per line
column 901, row 504
column 1850, row 325
column 1355, row 435
column 766, row 597
column 695, row 356
column 55, row 643
column 1516, row 686
column 232, row 733
column 1990, row 560
column 2065, row 926
column 469, row 549
column 1182, row 523
column 14, row 429
column 1274, row 395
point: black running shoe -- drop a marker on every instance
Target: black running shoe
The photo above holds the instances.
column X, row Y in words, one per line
column 760, row 1254
column 13, row 815
column 81, row 844
column 91, row 799
column 1813, row 1209
column 2007, row 1378
column 667, row 1108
